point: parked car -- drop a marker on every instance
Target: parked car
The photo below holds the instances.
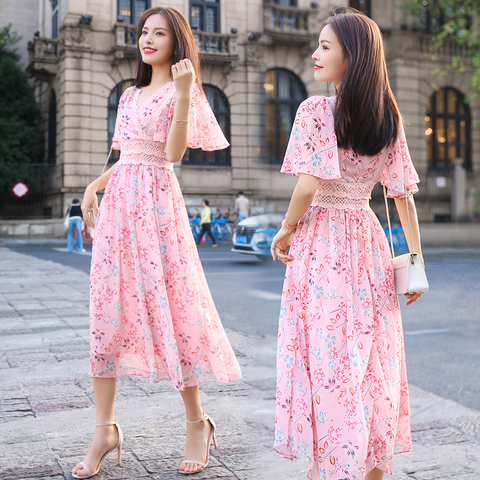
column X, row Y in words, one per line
column 254, row 235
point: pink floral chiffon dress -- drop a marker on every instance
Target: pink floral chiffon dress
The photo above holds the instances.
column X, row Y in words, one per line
column 151, row 311
column 342, row 392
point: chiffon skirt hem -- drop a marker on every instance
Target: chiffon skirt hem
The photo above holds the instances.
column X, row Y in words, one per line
column 151, row 311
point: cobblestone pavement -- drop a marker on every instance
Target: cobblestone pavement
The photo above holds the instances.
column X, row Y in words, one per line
column 47, row 414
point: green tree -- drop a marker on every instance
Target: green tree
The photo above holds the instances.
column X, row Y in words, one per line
column 451, row 20
column 20, row 117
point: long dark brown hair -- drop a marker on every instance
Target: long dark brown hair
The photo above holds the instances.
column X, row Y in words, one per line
column 183, row 44
column 366, row 112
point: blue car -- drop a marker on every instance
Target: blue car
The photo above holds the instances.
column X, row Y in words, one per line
column 254, row 235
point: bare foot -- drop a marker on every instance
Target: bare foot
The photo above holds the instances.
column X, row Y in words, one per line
column 197, row 438
column 104, row 440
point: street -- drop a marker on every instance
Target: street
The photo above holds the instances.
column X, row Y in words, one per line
column 442, row 329
column 46, row 397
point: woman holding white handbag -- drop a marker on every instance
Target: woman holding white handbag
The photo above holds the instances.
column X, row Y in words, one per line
column 342, row 391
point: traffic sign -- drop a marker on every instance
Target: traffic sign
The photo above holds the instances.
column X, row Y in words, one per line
column 20, row 189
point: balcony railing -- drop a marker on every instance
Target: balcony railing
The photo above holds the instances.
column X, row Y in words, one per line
column 216, row 48
column 450, row 47
column 420, row 46
column 287, row 24
column 43, row 57
column 125, row 45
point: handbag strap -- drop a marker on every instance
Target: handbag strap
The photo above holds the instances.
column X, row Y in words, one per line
column 410, row 247
column 388, row 219
column 103, row 170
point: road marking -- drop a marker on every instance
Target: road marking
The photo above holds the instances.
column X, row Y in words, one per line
column 263, row 295
column 64, row 250
column 256, row 276
column 215, row 259
column 427, row 331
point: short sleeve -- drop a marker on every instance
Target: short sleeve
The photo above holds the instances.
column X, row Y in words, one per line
column 398, row 165
column 312, row 148
column 121, row 103
column 203, row 129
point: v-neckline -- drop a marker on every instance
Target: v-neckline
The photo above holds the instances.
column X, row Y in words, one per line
column 139, row 91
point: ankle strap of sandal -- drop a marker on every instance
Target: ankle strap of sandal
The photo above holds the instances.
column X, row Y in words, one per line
column 203, row 419
column 106, row 424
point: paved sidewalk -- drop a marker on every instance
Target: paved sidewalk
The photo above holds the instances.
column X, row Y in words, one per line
column 47, row 414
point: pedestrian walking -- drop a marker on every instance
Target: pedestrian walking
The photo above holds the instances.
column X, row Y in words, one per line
column 242, row 206
column 75, row 219
column 206, row 223
column 342, row 393
column 151, row 311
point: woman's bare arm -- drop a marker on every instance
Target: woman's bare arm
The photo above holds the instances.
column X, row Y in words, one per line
column 300, row 202
column 302, row 197
column 177, row 141
column 401, row 204
column 103, row 180
column 89, row 203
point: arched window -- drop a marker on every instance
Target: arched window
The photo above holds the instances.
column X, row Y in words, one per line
column 113, row 100
column 221, row 108
column 52, row 130
column 364, row 6
column 284, row 92
column 448, row 130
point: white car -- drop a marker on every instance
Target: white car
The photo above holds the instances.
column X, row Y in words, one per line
column 254, row 235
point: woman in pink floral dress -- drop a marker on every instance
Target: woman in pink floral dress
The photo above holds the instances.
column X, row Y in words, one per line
column 342, row 393
column 151, row 311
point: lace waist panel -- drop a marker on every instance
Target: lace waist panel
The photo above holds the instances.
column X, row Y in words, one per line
column 342, row 195
column 144, row 153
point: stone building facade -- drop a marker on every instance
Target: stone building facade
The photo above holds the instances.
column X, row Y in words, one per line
column 256, row 70
column 23, row 15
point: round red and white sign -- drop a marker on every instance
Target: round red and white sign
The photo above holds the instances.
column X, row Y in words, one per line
column 20, row 189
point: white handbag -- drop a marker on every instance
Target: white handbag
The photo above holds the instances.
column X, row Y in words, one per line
column 409, row 274
column 409, row 270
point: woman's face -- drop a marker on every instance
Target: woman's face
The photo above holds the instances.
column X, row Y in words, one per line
column 156, row 41
column 330, row 64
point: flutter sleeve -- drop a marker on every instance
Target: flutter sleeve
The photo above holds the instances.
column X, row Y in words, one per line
column 312, row 148
column 398, row 165
column 120, row 118
column 203, row 129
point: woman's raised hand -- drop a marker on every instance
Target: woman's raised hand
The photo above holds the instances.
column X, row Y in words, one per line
column 183, row 76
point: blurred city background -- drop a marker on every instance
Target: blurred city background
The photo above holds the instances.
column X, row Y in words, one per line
column 80, row 55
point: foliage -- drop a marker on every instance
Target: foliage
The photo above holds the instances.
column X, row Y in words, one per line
column 20, row 117
column 451, row 20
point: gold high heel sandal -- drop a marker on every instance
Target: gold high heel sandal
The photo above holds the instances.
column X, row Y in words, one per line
column 211, row 437
column 117, row 447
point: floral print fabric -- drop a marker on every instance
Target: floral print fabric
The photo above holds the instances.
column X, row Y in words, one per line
column 152, row 120
column 342, row 393
column 151, row 312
